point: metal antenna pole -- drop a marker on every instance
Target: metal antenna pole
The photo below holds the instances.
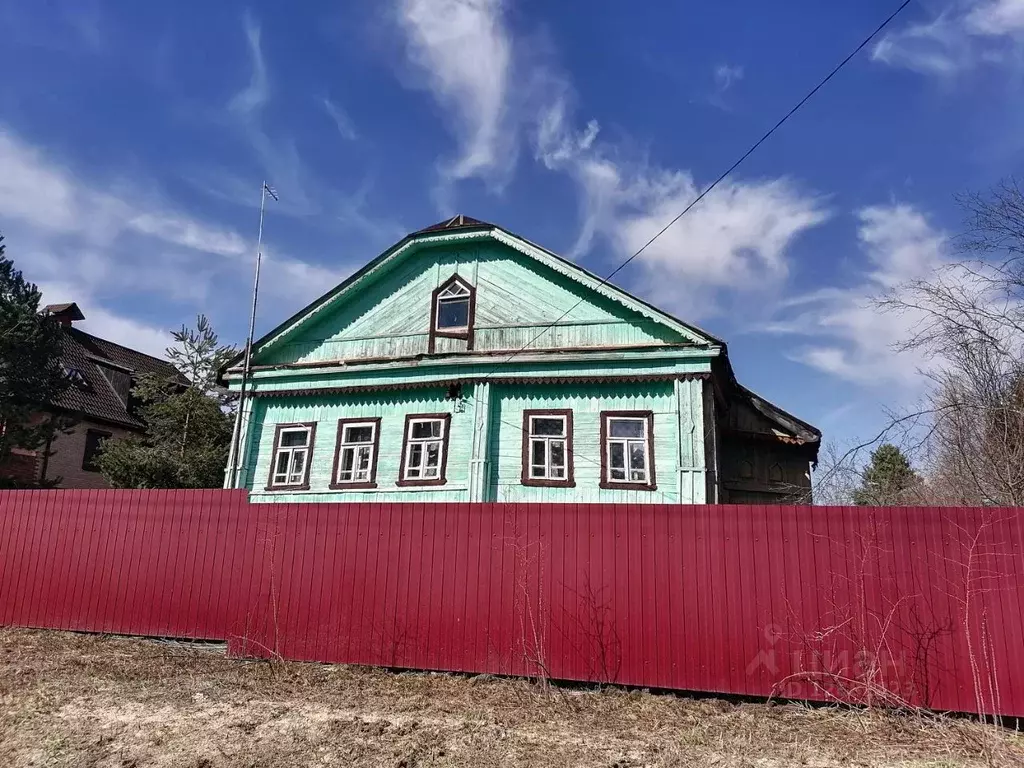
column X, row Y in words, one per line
column 237, row 434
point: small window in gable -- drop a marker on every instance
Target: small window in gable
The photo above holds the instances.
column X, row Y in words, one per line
column 453, row 306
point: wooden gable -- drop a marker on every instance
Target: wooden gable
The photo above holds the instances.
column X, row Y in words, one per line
column 519, row 299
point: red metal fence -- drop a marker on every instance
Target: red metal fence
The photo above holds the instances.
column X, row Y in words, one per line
column 904, row 604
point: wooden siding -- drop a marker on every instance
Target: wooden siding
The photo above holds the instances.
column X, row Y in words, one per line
column 586, row 404
column 392, row 409
column 486, row 438
column 516, row 298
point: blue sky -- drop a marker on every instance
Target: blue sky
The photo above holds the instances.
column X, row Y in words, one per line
column 134, row 138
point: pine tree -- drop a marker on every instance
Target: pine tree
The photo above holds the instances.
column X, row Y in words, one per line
column 188, row 428
column 887, row 480
column 31, row 374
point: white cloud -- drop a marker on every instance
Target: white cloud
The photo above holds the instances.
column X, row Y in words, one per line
column 852, row 339
column 726, row 75
column 341, row 119
column 736, row 239
column 97, row 244
column 466, row 53
column 962, row 36
column 254, row 96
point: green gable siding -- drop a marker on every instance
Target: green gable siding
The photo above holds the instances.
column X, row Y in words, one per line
column 516, row 298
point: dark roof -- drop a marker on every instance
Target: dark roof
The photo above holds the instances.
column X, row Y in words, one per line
column 68, row 311
column 455, row 222
column 102, row 374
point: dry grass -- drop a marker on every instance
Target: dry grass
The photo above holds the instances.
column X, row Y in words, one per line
column 78, row 700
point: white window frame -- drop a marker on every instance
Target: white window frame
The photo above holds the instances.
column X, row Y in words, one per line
column 408, row 442
column 645, row 440
column 355, row 447
column 449, row 295
column 306, row 450
column 546, row 477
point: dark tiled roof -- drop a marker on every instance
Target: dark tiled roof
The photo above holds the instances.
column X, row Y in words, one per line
column 102, row 374
column 455, row 222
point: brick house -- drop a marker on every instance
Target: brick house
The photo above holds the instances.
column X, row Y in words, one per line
column 99, row 401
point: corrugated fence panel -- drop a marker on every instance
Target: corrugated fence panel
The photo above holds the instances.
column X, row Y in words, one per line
column 914, row 606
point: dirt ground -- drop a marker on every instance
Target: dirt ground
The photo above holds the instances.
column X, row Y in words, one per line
column 82, row 700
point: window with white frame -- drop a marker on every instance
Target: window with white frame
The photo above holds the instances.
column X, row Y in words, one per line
column 628, row 447
column 355, row 461
column 424, row 453
column 452, row 312
column 293, row 444
column 547, row 448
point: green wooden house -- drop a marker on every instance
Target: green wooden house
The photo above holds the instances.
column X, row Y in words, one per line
column 466, row 363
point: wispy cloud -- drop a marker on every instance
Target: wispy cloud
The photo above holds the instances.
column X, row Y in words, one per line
column 465, row 53
column 964, row 35
column 847, row 335
column 344, row 123
column 102, row 243
column 735, row 241
column 725, row 77
column 255, row 95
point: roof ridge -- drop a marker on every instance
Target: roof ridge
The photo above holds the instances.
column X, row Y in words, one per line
column 122, row 346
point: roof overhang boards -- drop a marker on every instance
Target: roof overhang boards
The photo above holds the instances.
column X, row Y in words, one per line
column 710, row 345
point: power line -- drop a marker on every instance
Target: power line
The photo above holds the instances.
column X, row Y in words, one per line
column 727, row 172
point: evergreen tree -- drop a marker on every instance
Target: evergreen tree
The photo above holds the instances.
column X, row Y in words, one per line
column 887, row 480
column 188, row 427
column 31, row 374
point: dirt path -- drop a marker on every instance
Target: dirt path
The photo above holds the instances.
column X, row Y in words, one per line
column 78, row 700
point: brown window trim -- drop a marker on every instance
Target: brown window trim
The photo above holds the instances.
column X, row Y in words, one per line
column 442, row 477
column 570, row 478
column 466, row 335
column 374, row 452
column 606, row 481
column 304, row 485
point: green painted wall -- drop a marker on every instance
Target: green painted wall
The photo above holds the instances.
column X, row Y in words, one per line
column 485, row 449
column 516, row 299
column 586, row 403
column 392, row 408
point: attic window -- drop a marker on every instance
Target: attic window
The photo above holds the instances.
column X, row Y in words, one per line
column 453, row 308
column 76, row 377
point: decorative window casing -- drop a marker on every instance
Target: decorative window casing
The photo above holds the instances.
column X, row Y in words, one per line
column 355, row 454
column 425, row 449
column 293, row 452
column 627, row 450
column 452, row 312
column 547, row 448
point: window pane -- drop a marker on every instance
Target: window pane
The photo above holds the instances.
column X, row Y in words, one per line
column 433, row 454
column 547, row 426
column 298, row 463
column 363, row 453
column 415, row 454
column 453, row 313
column 537, row 452
column 360, row 434
column 626, row 428
column 637, row 455
column 293, row 437
column 422, row 430
column 557, row 454
column 347, row 459
column 618, row 456
column 638, row 475
column 618, row 474
column 282, row 463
